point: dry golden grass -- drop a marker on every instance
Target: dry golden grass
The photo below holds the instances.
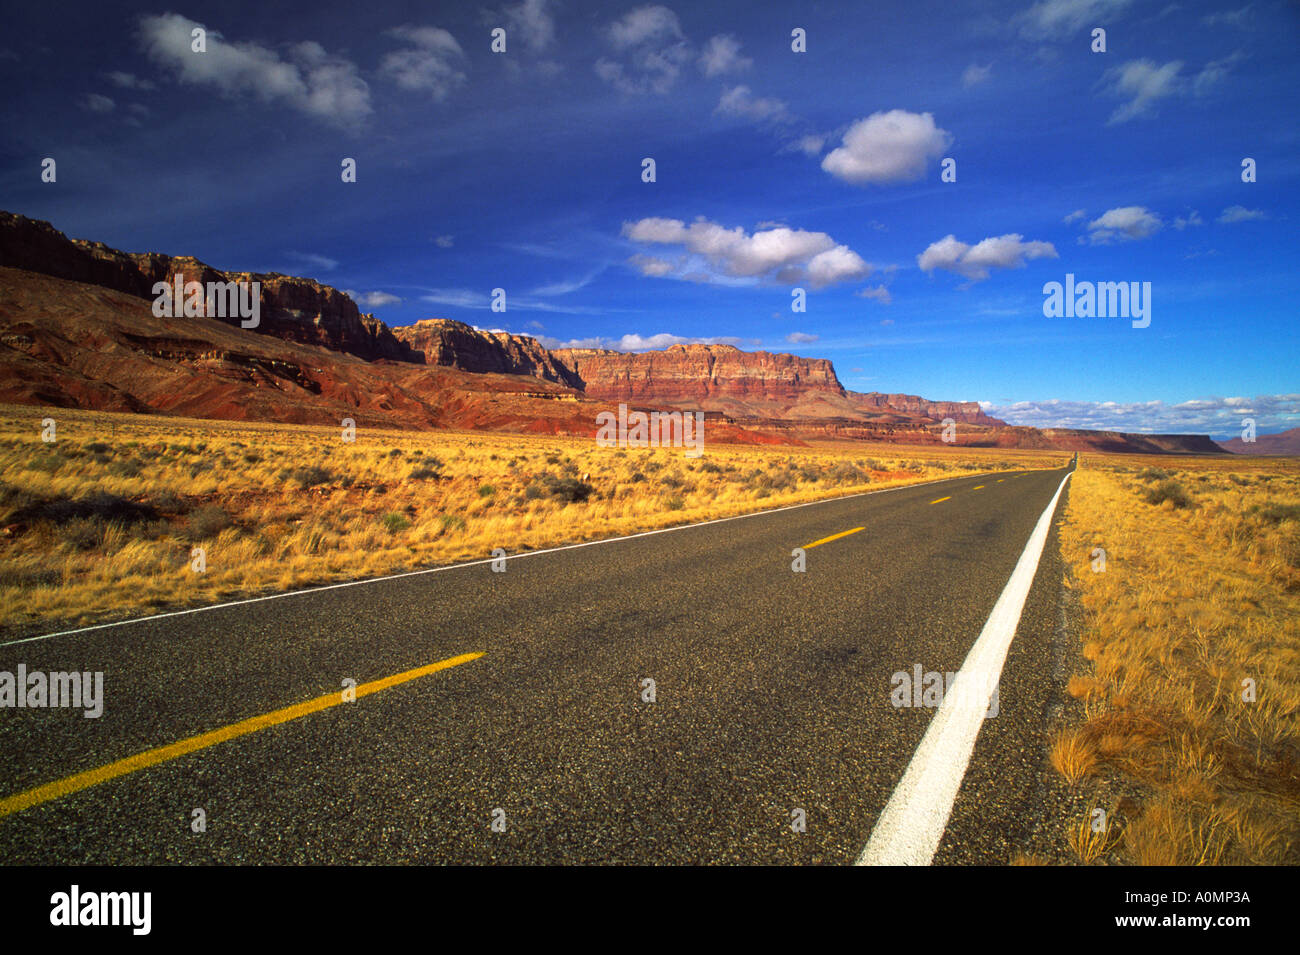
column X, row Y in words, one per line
column 1192, row 632
column 1073, row 755
column 281, row 507
column 1091, row 837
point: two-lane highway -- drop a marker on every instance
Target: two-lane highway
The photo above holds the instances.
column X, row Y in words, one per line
column 771, row 701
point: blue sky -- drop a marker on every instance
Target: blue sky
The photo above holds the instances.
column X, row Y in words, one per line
column 775, row 169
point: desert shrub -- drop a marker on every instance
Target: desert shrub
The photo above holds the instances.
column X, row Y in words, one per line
column 674, row 503
column 84, row 533
column 1152, row 474
column 486, row 490
column 15, row 499
column 208, row 521
column 452, row 522
column 130, row 468
column 310, row 476
column 533, row 492
column 567, row 489
column 170, row 502
column 1275, row 513
column 846, row 472
column 99, row 447
column 395, row 522
column 425, row 473
column 779, row 481
column 1170, row 491
column 1290, row 548
column 47, row 464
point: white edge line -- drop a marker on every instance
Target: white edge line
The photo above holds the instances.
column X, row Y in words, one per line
column 471, row 563
column 909, row 830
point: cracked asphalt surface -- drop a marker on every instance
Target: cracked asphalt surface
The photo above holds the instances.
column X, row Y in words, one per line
column 772, row 694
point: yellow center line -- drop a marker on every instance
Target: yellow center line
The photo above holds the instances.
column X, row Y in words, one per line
column 1000, row 480
column 942, row 499
column 977, row 487
column 152, row 757
column 833, row 537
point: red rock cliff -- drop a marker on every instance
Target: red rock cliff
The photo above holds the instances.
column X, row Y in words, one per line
column 294, row 309
column 457, row 345
column 697, row 372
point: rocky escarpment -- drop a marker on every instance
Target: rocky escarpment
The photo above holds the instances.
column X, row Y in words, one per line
column 293, row 309
column 456, row 345
column 698, row 372
column 723, row 376
column 1284, row 442
column 965, row 412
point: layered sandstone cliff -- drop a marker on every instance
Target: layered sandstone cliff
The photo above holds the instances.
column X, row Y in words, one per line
column 457, row 345
column 698, row 372
column 965, row 412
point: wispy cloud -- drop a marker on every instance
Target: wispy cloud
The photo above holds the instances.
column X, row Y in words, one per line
column 721, row 55
column 310, row 80
column 1058, row 19
column 649, row 48
column 568, row 286
column 1240, row 214
column 323, row 262
column 976, row 74
column 373, row 299
column 429, row 62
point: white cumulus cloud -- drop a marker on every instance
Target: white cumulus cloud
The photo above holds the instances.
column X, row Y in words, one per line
column 975, row 261
column 1126, row 222
column 779, row 254
column 887, row 147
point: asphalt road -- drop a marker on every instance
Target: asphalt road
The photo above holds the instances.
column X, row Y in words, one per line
column 772, row 693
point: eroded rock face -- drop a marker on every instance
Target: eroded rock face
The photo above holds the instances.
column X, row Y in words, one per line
column 698, row 372
column 964, row 412
column 457, row 345
column 293, row 309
